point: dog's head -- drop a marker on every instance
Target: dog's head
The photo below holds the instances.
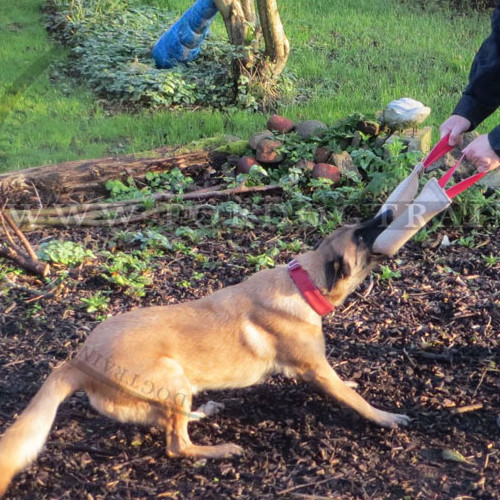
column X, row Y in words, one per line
column 347, row 256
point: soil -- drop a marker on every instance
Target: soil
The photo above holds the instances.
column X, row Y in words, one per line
column 424, row 344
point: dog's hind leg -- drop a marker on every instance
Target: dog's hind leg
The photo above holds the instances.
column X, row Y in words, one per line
column 178, row 442
column 176, row 400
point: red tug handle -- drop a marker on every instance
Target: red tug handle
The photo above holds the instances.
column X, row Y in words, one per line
column 438, row 151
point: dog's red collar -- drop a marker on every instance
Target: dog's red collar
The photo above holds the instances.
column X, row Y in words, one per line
column 308, row 289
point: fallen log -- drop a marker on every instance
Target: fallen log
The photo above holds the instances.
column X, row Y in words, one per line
column 84, row 180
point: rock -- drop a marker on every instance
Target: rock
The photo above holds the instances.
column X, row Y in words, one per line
column 344, row 162
column 444, row 163
column 280, row 124
column 266, row 151
column 305, row 165
column 380, row 140
column 259, row 136
column 468, row 137
column 309, row 128
column 445, row 242
column 245, row 163
column 356, row 140
column 404, row 113
column 326, row 171
column 368, row 127
column 321, row 155
column 420, row 140
column 492, row 180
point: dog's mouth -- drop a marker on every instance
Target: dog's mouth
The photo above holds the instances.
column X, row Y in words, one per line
column 369, row 231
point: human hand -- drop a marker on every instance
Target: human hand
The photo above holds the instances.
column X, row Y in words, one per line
column 455, row 125
column 480, row 153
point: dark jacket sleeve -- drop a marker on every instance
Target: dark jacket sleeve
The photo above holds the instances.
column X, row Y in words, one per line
column 482, row 95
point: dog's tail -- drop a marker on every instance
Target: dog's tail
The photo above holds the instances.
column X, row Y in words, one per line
column 24, row 440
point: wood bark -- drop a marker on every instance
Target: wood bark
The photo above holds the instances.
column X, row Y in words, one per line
column 276, row 43
column 244, row 26
column 23, row 254
column 127, row 211
column 235, row 20
column 84, row 180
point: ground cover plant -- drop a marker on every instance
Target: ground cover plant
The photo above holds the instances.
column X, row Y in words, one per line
column 110, row 50
column 420, row 336
column 346, row 57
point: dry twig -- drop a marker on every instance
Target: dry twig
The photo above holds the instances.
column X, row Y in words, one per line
column 23, row 255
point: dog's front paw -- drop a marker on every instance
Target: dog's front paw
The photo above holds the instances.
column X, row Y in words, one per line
column 391, row 420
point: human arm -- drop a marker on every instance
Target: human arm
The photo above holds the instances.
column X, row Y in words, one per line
column 480, row 99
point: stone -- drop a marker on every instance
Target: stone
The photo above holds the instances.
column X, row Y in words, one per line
column 404, row 113
column 305, row 165
column 420, row 140
column 326, row 171
column 368, row 127
column 468, row 137
column 266, row 151
column 445, row 242
column 444, row 163
column 321, row 155
column 344, row 162
column 309, row 128
column 356, row 139
column 492, row 180
column 380, row 140
column 245, row 163
column 280, row 124
column 259, row 136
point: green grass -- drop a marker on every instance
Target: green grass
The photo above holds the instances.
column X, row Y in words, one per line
column 347, row 56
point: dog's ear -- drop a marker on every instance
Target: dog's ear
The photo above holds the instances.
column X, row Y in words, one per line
column 335, row 270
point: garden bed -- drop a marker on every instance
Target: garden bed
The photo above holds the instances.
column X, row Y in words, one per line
column 420, row 337
column 423, row 340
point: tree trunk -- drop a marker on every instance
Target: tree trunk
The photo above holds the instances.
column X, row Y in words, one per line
column 84, row 180
column 235, row 19
column 244, row 27
column 277, row 45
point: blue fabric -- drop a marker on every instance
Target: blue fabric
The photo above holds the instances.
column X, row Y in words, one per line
column 182, row 42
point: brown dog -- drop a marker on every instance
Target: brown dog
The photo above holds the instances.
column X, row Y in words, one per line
column 144, row 366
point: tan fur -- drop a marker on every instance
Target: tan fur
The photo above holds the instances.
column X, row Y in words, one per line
column 144, row 366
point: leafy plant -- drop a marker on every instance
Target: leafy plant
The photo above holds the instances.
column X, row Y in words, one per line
column 261, row 261
column 96, row 303
column 119, row 190
column 491, row 260
column 67, row 253
column 192, row 235
column 128, row 270
column 467, row 241
column 110, row 43
column 386, row 273
column 173, row 180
